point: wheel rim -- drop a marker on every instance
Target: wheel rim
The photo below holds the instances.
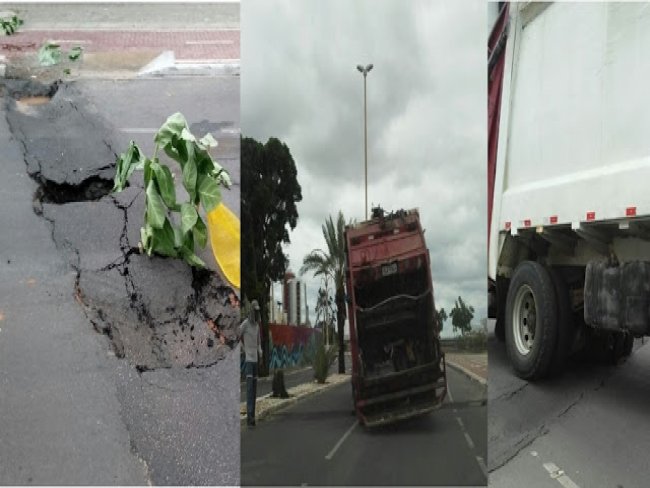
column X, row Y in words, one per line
column 524, row 320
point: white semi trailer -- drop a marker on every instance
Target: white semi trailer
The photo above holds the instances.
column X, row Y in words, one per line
column 569, row 171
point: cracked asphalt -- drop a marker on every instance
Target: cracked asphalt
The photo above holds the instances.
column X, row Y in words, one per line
column 589, row 426
column 109, row 373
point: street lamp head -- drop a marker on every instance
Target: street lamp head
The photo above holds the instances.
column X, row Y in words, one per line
column 360, row 68
column 369, row 67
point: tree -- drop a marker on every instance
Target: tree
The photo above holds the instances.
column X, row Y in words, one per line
column 332, row 264
column 269, row 192
column 442, row 317
column 461, row 316
column 325, row 311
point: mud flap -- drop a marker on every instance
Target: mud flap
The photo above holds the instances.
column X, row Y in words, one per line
column 618, row 297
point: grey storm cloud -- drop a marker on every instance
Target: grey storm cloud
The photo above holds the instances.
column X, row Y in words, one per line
column 427, row 114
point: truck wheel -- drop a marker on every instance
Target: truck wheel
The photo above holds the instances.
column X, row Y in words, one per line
column 565, row 327
column 531, row 321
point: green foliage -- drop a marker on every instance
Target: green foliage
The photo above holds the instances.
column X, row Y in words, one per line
column 10, row 26
column 323, row 359
column 202, row 178
column 461, row 316
column 75, row 53
column 442, row 317
column 269, row 193
column 331, row 263
column 51, row 54
column 474, row 341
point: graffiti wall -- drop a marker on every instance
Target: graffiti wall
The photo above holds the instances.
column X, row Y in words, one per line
column 291, row 345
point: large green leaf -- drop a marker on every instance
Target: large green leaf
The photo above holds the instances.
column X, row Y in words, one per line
column 189, row 217
column 189, row 178
column 148, row 172
column 156, row 210
column 200, row 232
column 209, row 192
column 146, row 235
column 163, row 240
column 126, row 164
column 186, row 135
column 173, row 126
column 165, row 183
column 207, row 141
column 191, row 258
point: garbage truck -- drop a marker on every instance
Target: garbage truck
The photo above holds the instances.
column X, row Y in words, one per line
column 398, row 368
column 568, row 173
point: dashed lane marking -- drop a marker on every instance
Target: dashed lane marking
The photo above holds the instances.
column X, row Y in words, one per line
column 559, row 475
column 330, row 455
column 483, row 466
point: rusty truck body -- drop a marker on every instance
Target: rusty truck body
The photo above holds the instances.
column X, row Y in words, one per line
column 398, row 368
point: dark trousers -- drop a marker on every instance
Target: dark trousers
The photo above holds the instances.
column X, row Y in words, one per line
column 250, row 368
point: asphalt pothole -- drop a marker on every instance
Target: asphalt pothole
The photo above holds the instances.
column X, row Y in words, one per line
column 156, row 312
column 91, row 189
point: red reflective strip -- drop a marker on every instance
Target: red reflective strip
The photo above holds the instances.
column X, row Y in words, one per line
column 526, row 223
column 508, row 225
column 630, row 211
column 591, row 215
column 553, row 219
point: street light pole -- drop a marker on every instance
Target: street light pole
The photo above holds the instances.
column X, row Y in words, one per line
column 364, row 71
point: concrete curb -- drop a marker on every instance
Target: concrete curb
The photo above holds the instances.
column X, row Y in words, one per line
column 282, row 404
column 166, row 64
column 467, row 372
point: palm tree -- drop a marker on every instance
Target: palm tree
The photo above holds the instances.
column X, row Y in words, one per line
column 332, row 264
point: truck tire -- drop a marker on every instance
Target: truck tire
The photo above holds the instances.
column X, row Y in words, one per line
column 565, row 326
column 531, row 321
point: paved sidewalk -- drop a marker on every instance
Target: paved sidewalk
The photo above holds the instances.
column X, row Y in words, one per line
column 474, row 363
column 266, row 405
column 174, row 39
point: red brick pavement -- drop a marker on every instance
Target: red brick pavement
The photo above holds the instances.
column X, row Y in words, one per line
column 187, row 45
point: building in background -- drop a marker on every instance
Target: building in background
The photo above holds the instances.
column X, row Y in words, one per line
column 290, row 305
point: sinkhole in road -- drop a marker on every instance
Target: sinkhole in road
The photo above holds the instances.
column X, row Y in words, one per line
column 90, row 189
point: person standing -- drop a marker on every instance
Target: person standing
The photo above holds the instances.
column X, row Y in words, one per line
column 249, row 333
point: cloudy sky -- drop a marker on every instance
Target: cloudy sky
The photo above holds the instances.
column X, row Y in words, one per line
column 427, row 120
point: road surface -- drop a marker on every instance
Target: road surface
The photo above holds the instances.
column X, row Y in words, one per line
column 72, row 412
column 318, row 442
column 589, row 427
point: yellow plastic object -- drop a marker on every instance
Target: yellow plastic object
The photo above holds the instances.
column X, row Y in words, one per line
column 225, row 238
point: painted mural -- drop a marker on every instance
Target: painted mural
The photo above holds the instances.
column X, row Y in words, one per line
column 290, row 346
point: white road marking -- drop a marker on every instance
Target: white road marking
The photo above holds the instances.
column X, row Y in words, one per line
column 205, row 43
column 460, row 422
column 559, row 475
column 469, row 440
column 451, row 400
column 482, row 465
column 330, row 455
column 139, row 130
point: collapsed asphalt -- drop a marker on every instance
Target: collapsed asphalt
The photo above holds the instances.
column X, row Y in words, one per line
column 176, row 382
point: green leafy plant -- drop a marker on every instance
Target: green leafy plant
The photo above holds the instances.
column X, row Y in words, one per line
column 51, row 54
column 11, row 26
column 323, row 358
column 171, row 228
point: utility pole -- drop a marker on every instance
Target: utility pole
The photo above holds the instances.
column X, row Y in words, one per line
column 364, row 71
